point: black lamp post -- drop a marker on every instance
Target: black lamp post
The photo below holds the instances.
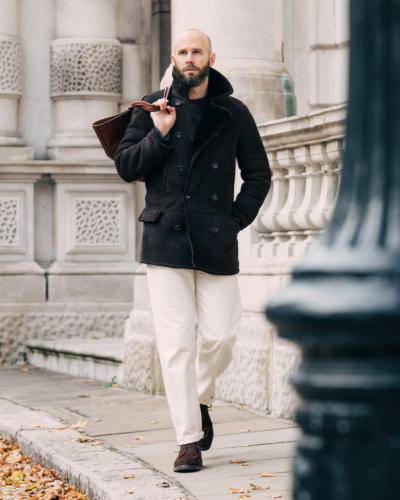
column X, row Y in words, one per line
column 343, row 304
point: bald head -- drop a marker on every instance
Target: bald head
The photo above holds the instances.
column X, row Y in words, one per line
column 193, row 57
column 193, row 35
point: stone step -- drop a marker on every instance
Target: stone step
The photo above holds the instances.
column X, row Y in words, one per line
column 97, row 359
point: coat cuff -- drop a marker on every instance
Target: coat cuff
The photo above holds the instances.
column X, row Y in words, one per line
column 163, row 138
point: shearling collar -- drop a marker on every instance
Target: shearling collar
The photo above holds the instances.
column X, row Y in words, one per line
column 218, row 85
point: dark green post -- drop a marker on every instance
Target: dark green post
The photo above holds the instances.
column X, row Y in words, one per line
column 343, row 304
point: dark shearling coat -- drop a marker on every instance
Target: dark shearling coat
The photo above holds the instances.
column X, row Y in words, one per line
column 191, row 219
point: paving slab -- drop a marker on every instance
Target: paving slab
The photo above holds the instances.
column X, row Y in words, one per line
column 137, row 434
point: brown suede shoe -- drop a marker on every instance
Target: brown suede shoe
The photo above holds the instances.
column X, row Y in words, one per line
column 189, row 458
column 207, row 426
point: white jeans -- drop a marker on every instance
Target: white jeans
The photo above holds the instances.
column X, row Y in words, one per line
column 178, row 297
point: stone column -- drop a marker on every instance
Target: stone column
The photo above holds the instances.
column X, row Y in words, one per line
column 134, row 33
column 248, row 44
column 10, row 83
column 85, row 60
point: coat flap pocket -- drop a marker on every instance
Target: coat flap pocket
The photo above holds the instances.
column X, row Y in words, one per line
column 150, row 214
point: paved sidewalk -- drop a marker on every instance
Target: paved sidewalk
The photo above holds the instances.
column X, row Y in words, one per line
column 138, row 439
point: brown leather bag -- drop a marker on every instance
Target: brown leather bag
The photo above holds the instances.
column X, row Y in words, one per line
column 111, row 130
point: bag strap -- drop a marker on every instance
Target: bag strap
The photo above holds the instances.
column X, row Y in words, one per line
column 147, row 106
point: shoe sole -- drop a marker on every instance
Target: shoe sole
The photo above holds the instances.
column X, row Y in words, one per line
column 187, row 468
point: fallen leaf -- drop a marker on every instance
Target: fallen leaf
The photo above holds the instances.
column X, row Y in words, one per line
column 129, row 476
column 236, row 461
column 256, row 487
column 81, row 431
column 153, row 422
column 238, row 490
column 267, row 474
column 84, row 439
column 181, row 498
column 31, row 487
column 163, row 484
column 278, row 495
column 37, row 426
column 61, row 427
column 139, row 438
column 81, row 423
column 90, row 380
column 244, row 496
column 130, row 445
column 246, row 445
column 245, row 430
column 24, row 369
column 17, row 475
column 129, row 492
column 241, row 408
column 82, row 395
column 98, row 420
column 97, row 443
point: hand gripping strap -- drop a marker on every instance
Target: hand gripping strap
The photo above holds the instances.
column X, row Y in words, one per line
column 147, row 106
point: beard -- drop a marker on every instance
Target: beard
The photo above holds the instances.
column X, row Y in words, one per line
column 194, row 80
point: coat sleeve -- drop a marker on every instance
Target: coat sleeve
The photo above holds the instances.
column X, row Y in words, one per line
column 254, row 170
column 140, row 150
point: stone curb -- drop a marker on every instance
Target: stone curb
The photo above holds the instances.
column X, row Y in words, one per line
column 97, row 470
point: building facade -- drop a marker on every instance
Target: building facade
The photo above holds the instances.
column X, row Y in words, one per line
column 69, row 235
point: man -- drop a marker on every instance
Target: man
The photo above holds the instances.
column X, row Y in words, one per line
column 186, row 152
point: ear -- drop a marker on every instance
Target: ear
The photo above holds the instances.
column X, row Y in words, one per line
column 173, row 59
column 212, row 59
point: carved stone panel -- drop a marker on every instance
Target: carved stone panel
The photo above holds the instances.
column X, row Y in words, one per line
column 85, row 67
column 97, row 221
column 10, row 66
column 9, row 224
column 12, row 228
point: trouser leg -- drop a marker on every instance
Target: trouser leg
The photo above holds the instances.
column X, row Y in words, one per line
column 218, row 315
column 172, row 296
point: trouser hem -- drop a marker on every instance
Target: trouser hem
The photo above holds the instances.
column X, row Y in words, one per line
column 191, row 439
column 206, row 403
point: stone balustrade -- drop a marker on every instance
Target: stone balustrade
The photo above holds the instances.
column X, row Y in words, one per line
column 305, row 156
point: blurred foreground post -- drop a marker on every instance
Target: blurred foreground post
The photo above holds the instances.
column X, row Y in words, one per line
column 343, row 304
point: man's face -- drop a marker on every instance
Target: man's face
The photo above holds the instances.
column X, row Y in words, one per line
column 192, row 58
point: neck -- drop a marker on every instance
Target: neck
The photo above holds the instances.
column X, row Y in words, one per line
column 199, row 91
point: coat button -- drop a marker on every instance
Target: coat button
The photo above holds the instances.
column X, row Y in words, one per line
column 188, row 197
column 214, row 165
column 214, row 197
column 178, row 227
column 177, row 102
column 178, row 135
column 180, row 167
column 214, row 229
